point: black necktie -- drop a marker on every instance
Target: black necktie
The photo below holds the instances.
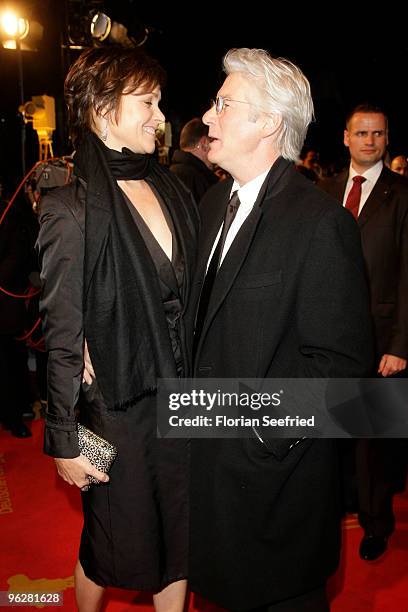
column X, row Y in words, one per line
column 213, row 267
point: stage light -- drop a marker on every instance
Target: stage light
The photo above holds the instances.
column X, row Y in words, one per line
column 104, row 28
column 101, row 26
column 14, row 27
column 17, row 32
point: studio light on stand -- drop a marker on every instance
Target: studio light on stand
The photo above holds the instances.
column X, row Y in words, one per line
column 40, row 111
column 18, row 33
column 13, row 29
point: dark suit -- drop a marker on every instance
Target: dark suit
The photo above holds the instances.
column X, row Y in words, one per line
column 383, row 224
column 193, row 173
column 265, row 519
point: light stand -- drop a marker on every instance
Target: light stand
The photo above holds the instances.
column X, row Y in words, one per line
column 21, row 90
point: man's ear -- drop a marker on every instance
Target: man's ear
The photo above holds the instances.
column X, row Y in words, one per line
column 346, row 138
column 272, row 124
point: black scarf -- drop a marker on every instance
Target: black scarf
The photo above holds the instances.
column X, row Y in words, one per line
column 124, row 322
column 127, row 166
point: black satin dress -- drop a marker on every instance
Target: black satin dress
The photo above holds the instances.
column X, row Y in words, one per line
column 135, row 527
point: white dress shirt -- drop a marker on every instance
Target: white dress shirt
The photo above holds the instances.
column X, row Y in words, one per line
column 371, row 177
column 247, row 194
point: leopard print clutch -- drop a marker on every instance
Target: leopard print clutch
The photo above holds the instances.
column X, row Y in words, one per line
column 99, row 451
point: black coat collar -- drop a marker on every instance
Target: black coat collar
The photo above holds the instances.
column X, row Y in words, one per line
column 238, row 251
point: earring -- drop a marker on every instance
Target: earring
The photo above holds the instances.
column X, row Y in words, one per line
column 104, row 132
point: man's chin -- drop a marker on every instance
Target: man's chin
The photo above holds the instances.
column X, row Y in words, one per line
column 214, row 159
column 370, row 158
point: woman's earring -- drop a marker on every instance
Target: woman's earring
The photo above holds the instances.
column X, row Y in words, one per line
column 104, row 132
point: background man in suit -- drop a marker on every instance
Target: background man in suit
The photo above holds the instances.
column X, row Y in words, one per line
column 380, row 205
column 399, row 164
column 190, row 162
column 288, row 299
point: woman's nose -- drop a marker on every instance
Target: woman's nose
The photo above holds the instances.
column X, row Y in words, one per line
column 160, row 116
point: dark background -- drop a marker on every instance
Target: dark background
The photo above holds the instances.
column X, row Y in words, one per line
column 348, row 55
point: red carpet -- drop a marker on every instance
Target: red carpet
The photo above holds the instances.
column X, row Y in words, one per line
column 40, row 522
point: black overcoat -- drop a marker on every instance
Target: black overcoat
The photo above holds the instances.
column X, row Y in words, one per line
column 290, row 300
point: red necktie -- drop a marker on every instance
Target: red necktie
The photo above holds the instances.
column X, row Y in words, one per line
column 354, row 196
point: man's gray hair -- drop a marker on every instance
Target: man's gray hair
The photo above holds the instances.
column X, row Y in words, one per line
column 282, row 89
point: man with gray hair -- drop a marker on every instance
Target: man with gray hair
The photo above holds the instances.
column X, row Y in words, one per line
column 280, row 293
column 190, row 162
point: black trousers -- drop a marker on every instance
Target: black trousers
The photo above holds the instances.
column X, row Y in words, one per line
column 312, row 601
column 379, row 467
column 380, row 471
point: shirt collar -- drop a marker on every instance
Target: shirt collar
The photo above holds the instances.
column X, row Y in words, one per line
column 371, row 175
column 249, row 192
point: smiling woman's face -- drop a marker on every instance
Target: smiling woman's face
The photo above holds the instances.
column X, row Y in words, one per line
column 136, row 122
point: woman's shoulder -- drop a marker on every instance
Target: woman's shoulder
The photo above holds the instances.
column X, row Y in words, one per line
column 68, row 198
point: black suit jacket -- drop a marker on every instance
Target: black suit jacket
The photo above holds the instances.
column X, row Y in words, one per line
column 383, row 223
column 290, row 300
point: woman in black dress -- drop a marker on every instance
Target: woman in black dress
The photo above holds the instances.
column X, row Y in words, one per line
column 116, row 248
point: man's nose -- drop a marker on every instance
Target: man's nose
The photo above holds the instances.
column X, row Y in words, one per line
column 209, row 116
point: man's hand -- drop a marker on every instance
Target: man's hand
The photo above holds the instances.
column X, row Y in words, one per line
column 76, row 471
column 88, row 373
column 391, row 364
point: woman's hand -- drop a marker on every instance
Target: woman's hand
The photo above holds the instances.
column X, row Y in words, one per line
column 76, row 471
column 88, row 373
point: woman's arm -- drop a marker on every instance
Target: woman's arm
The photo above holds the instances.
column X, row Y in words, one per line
column 61, row 251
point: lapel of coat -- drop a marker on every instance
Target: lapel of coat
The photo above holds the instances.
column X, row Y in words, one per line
column 238, row 251
column 377, row 198
column 210, row 229
column 340, row 185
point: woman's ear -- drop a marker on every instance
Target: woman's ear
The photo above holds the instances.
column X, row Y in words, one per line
column 101, row 125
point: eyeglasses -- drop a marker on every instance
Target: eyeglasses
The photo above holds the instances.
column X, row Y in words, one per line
column 219, row 103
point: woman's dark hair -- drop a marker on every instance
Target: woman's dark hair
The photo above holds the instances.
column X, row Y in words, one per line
column 99, row 77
